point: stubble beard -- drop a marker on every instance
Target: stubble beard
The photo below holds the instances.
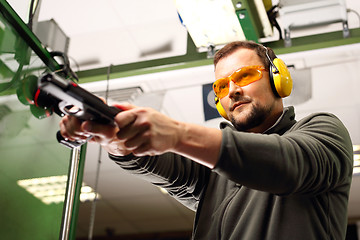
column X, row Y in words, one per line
column 255, row 117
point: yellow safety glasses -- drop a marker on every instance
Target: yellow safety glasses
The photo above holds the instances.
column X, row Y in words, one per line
column 241, row 77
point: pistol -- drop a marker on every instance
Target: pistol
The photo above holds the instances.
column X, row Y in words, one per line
column 65, row 97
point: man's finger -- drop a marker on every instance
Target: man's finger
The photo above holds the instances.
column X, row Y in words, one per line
column 124, row 106
column 104, row 130
column 125, row 118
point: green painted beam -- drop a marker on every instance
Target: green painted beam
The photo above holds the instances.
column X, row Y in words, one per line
column 195, row 59
column 313, row 42
column 192, row 58
column 140, row 68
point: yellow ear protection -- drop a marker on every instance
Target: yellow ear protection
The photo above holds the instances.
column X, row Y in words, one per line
column 220, row 108
column 280, row 78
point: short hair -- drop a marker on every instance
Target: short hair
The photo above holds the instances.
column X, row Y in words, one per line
column 259, row 49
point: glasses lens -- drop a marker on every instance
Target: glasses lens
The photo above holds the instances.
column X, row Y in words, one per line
column 246, row 75
column 242, row 77
column 221, row 87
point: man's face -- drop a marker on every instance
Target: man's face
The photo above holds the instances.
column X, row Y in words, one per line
column 252, row 108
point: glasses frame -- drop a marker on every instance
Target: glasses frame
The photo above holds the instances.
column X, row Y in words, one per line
column 258, row 68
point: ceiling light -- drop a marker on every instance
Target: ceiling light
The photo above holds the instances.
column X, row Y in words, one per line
column 210, row 23
column 52, row 189
column 356, row 149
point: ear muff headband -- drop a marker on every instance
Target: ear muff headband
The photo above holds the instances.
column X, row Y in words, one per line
column 280, row 78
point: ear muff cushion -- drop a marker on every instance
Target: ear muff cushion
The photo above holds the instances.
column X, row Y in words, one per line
column 282, row 81
column 220, row 109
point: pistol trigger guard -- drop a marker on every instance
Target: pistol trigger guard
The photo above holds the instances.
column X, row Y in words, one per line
column 69, row 109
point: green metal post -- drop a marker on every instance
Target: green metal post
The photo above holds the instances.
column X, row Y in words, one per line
column 73, row 191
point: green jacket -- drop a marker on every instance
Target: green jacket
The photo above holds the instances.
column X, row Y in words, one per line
column 290, row 182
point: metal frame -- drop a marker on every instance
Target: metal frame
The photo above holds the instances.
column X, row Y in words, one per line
column 27, row 35
column 194, row 59
column 73, row 191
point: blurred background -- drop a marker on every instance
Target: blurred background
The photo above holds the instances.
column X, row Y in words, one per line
column 157, row 54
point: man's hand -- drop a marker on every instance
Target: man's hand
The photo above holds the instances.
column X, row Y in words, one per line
column 141, row 131
column 73, row 129
column 145, row 131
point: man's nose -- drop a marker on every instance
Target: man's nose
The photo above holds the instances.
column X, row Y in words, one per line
column 234, row 89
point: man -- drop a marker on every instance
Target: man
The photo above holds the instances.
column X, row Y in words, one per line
column 266, row 176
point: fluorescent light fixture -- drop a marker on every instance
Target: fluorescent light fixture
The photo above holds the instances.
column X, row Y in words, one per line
column 302, row 14
column 52, row 189
column 210, row 22
column 356, row 169
column 356, row 148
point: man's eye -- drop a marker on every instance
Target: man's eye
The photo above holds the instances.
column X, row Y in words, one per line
column 245, row 75
column 222, row 87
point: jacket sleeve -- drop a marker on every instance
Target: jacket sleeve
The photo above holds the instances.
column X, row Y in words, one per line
column 314, row 156
column 182, row 178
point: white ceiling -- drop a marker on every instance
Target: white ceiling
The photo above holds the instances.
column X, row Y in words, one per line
column 120, row 31
column 117, row 31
